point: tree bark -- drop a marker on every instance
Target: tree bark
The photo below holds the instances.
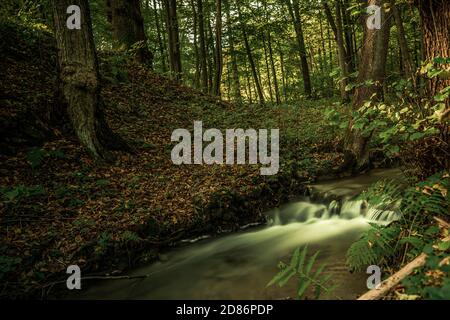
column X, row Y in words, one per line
column 348, row 36
column 162, row 49
column 196, row 51
column 274, row 72
column 283, row 73
column 128, row 28
column 174, row 39
column 372, row 68
column 251, row 60
column 78, row 75
column 342, row 52
column 403, row 45
column 218, row 48
column 435, row 17
column 234, row 66
column 294, row 10
column 266, row 60
column 201, row 34
column 211, row 57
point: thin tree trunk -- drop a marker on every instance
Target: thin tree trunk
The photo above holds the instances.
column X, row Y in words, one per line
column 234, row 65
column 160, row 38
column 347, row 36
column 274, row 72
column 174, row 39
column 218, row 51
column 294, row 10
column 196, row 51
column 337, row 30
column 211, row 57
column 283, row 73
column 201, row 34
column 251, row 61
column 403, row 45
column 266, row 60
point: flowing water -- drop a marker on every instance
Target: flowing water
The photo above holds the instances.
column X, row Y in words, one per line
column 239, row 265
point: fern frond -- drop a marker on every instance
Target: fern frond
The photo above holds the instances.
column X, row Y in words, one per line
column 376, row 244
column 303, row 268
column 383, row 195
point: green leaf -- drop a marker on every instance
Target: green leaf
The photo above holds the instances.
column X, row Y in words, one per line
column 303, row 285
column 282, row 277
column 444, row 245
column 311, row 262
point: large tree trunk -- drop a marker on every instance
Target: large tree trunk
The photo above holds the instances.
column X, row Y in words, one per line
column 372, row 68
column 128, row 28
column 294, row 10
column 435, row 16
column 218, row 48
column 79, row 81
column 174, row 38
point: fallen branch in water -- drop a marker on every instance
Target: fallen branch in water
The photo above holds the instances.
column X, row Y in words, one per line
column 115, row 277
column 49, row 286
column 387, row 285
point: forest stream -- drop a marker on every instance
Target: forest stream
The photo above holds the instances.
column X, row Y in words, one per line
column 239, row 265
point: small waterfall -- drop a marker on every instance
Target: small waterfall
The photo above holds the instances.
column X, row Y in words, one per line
column 306, row 211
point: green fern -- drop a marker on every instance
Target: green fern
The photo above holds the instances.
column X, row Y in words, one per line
column 376, row 244
column 383, row 195
column 420, row 202
column 426, row 199
column 303, row 269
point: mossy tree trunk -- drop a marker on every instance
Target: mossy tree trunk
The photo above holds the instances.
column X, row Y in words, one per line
column 78, row 75
column 371, row 77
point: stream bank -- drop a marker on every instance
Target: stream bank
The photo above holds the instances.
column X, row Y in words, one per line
column 240, row 264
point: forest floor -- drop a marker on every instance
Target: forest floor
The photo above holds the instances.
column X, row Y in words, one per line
column 58, row 208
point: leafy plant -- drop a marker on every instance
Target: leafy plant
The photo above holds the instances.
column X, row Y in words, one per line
column 302, row 268
column 409, row 237
column 376, row 244
column 432, row 281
